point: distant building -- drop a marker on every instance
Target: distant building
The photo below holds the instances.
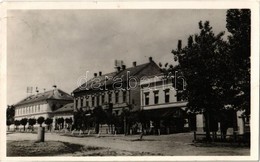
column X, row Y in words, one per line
column 163, row 109
column 42, row 104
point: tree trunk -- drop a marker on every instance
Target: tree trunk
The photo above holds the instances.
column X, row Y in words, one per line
column 207, row 126
column 97, row 128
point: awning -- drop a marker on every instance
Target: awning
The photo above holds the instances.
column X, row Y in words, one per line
column 163, row 113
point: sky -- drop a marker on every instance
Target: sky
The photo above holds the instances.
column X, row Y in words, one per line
column 47, row 47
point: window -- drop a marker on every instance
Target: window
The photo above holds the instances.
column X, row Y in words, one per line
column 76, row 103
column 167, row 95
column 81, row 102
column 156, row 97
column 116, row 97
column 124, row 96
column 102, row 98
column 93, row 101
column 87, row 103
column 38, row 108
column 97, row 100
column 146, row 98
column 109, row 98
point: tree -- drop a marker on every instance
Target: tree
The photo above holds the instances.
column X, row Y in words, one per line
column 239, row 25
column 40, row 120
column 100, row 117
column 10, row 115
column 203, row 62
column 8, row 123
column 125, row 116
column 60, row 122
column 69, row 121
column 48, row 122
column 24, row 121
column 32, row 122
column 17, row 123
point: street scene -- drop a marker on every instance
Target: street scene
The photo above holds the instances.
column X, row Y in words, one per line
column 128, row 83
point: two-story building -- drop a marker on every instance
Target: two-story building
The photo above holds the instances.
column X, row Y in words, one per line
column 163, row 109
column 42, row 104
column 119, row 89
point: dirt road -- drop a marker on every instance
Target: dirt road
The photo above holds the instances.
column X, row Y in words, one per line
column 175, row 144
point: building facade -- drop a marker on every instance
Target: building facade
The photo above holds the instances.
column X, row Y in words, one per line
column 163, row 109
column 117, row 91
column 120, row 88
column 65, row 112
column 42, row 104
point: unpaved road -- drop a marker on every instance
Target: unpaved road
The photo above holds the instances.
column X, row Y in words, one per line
column 174, row 144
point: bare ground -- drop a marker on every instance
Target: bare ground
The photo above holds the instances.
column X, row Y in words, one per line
column 58, row 148
column 173, row 145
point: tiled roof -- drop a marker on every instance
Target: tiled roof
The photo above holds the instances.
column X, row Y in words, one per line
column 55, row 94
column 133, row 71
column 65, row 108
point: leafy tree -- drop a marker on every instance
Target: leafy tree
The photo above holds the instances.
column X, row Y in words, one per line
column 10, row 115
column 69, row 121
column 32, row 122
column 10, row 112
column 239, row 25
column 24, row 121
column 40, row 120
column 48, row 122
column 100, row 117
column 203, row 62
column 17, row 123
column 78, row 117
column 60, row 122
column 125, row 116
column 8, row 123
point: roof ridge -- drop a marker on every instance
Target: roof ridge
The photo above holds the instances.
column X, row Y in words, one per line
column 50, row 94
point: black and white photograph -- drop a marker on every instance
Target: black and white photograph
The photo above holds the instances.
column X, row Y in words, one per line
column 131, row 82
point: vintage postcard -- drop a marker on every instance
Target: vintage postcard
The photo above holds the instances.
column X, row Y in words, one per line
column 130, row 81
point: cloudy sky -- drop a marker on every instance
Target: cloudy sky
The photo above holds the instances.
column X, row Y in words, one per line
column 46, row 47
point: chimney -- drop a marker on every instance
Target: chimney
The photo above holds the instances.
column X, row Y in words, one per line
column 54, row 86
column 179, row 45
column 150, row 59
column 95, row 74
column 123, row 67
column 37, row 91
column 100, row 73
column 118, row 68
column 134, row 64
